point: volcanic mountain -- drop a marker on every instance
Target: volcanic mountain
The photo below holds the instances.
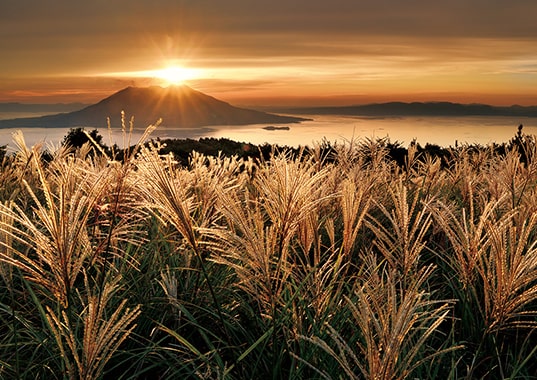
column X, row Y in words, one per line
column 177, row 106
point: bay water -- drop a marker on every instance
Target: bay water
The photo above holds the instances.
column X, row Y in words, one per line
column 440, row 130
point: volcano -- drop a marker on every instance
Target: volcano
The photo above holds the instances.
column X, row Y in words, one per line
column 177, row 106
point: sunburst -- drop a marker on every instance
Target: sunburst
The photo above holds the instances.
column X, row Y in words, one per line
column 175, row 75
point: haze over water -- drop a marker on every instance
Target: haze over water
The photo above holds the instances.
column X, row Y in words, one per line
column 444, row 131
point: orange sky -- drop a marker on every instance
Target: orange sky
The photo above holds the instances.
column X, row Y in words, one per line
column 278, row 52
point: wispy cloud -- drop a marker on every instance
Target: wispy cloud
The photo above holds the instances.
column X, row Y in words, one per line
column 334, row 47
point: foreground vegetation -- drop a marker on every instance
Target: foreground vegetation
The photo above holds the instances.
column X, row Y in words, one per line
column 337, row 262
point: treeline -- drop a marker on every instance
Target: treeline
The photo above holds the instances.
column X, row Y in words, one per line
column 396, row 151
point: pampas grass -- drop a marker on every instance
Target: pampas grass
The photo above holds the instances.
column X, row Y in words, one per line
column 393, row 324
column 54, row 245
column 333, row 262
column 401, row 237
column 102, row 334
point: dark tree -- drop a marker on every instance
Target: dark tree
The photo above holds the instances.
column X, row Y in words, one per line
column 76, row 137
column 522, row 143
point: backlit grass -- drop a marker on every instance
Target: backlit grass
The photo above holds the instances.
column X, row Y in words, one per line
column 336, row 262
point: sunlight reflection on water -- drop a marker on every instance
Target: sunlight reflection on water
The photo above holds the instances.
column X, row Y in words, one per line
column 443, row 131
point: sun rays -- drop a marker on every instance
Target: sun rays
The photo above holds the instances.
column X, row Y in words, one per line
column 175, row 75
column 171, row 75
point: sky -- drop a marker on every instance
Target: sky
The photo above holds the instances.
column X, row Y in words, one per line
column 274, row 52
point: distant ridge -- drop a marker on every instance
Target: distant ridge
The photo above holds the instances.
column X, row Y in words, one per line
column 419, row 109
column 178, row 106
column 40, row 107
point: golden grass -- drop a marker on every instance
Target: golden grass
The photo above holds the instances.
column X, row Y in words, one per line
column 346, row 266
column 393, row 322
column 401, row 238
column 103, row 331
column 55, row 244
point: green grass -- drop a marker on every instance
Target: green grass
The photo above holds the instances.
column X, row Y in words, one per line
column 336, row 262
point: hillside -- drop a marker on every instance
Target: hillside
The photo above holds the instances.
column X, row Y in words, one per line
column 178, row 106
column 40, row 107
column 419, row 109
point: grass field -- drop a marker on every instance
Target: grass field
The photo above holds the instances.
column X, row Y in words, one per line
column 319, row 264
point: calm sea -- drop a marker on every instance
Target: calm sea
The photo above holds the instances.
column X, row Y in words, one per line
column 444, row 131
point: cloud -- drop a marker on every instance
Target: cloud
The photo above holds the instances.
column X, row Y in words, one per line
column 229, row 20
column 351, row 43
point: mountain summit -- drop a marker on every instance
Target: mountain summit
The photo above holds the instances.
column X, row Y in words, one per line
column 177, row 106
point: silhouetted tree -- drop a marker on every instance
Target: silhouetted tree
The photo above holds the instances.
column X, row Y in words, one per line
column 522, row 142
column 76, row 137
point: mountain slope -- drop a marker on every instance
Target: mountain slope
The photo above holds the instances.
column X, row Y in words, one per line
column 419, row 109
column 178, row 106
column 40, row 107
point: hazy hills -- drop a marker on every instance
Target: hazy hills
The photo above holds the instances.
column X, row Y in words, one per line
column 178, row 106
column 418, row 109
column 14, row 107
column 184, row 107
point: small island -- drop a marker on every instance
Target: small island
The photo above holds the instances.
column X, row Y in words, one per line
column 276, row 128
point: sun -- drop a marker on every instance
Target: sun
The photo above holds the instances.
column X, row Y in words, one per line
column 170, row 75
column 175, row 75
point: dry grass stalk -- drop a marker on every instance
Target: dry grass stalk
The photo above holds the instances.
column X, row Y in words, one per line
column 355, row 203
column 103, row 333
column 403, row 238
column 165, row 189
column 318, row 271
column 209, row 178
column 430, row 178
column 289, row 191
column 23, row 163
column 75, row 219
column 508, row 175
column 54, row 245
column 170, row 194
column 374, row 153
column 512, row 177
column 348, row 156
column 10, row 184
column 509, row 275
column 6, row 239
column 394, row 323
column 469, row 237
column 261, row 229
column 251, row 249
column 24, row 154
column 466, row 181
column 496, row 260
